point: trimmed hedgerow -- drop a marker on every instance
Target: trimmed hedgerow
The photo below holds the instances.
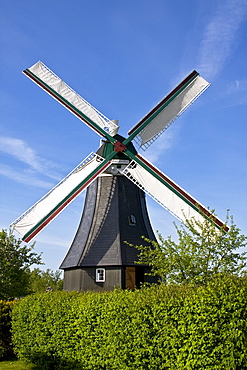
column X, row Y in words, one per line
column 157, row 327
column 6, row 349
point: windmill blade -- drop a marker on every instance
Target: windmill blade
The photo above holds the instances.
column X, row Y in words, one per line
column 59, row 90
column 167, row 193
column 48, row 207
column 150, row 127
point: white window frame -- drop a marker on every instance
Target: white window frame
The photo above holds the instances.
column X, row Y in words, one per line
column 100, row 275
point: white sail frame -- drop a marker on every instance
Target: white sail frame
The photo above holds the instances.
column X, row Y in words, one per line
column 29, row 219
column 55, row 83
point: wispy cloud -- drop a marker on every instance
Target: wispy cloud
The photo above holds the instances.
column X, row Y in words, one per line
column 24, row 178
column 35, row 165
column 50, row 239
column 238, row 92
column 220, row 36
column 237, row 86
column 21, row 151
column 235, row 94
column 164, row 142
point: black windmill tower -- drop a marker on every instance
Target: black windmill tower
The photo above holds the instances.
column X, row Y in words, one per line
column 114, row 212
column 117, row 178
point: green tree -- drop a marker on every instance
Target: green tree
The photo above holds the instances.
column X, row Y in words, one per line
column 41, row 280
column 201, row 252
column 15, row 261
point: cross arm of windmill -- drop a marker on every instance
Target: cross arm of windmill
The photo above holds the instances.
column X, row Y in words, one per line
column 118, row 154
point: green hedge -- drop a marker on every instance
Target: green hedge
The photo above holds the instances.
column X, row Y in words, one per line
column 6, row 349
column 160, row 327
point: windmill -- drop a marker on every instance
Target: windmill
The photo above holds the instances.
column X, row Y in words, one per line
column 117, row 178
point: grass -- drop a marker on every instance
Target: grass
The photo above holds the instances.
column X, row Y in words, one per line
column 18, row 365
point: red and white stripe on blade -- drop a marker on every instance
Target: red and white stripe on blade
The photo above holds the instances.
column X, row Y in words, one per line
column 53, row 203
column 166, row 192
column 150, row 127
column 59, row 90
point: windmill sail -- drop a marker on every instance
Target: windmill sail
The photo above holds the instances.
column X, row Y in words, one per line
column 59, row 90
column 167, row 193
column 51, row 205
column 142, row 173
column 149, row 128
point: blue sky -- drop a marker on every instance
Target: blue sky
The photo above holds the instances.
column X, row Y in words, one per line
column 123, row 57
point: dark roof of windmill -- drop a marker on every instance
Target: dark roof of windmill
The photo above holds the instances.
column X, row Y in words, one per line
column 105, row 225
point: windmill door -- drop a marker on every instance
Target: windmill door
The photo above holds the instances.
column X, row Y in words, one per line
column 130, row 281
column 134, row 277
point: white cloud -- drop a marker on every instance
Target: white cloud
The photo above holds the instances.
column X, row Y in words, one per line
column 164, row 142
column 235, row 94
column 21, row 151
column 236, row 86
column 23, row 178
column 36, row 165
column 50, row 239
column 220, row 36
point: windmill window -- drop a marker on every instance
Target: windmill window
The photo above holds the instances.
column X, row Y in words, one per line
column 100, row 275
column 132, row 220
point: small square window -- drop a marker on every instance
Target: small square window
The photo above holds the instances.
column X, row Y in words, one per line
column 132, row 220
column 100, row 275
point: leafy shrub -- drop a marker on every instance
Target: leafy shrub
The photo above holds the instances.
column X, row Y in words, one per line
column 6, row 349
column 15, row 262
column 199, row 254
column 157, row 327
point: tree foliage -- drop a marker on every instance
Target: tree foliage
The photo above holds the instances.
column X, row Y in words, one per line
column 201, row 252
column 6, row 347
column 41, row 280
column 15, row 261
